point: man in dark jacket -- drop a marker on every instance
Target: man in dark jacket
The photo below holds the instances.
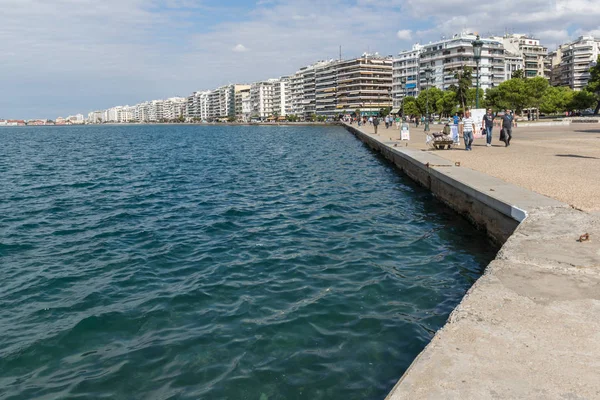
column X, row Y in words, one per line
column 507, row 124
column 375, row 124
column 487, row 125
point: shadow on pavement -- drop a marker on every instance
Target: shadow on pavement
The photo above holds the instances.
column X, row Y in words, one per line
column 576, row 156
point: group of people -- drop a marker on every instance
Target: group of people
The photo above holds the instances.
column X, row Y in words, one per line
column 466, row 127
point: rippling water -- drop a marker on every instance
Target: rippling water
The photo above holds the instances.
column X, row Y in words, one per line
column 164, row 262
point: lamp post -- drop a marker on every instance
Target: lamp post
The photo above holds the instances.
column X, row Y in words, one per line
column 390, row 96
column 477, row 45
column 428, row 73
column 403, row 88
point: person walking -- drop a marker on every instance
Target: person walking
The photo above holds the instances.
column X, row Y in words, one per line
column 454, row 129
column 507, row 124
column 487, row 124
column 375, row 124
column 468, row 127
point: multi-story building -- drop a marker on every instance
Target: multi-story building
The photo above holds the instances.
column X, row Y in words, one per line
column 303, row 90
column 197, row 105
column 446, row 58
column 95, row 117
column 261, row 96
column 174, row 108
column 326, row 82
column 405, row 70
column 364, row 83
column 576, row 59
column 535, row 56
column 512, row 63
column 297, row 94
column 243, row 105
column 282, row 97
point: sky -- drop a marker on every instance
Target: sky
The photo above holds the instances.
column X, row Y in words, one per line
column 63, row 57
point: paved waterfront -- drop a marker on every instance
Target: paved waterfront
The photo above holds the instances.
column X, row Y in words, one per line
column 529, row 328
column 556, row 161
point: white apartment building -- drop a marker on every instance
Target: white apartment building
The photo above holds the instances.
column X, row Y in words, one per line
column 573, row 61
column 173, row 108
column 303, row 90
column 282, row 97
column 95, row 117
column 261, row 96
column 405, row 70
column 297, row 94
column 243, row 105
column 197, row 105
column 534, row 55
column 447, row 57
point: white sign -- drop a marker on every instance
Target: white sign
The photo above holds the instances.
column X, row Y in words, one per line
column 404, row 133
column 477, row 115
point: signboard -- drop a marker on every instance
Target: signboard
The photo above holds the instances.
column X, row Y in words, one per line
column 477, row 115
column 404, row 133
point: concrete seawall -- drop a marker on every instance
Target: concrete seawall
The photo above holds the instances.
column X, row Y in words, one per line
column 530, row 326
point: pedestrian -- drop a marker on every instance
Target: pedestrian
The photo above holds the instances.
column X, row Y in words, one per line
column 398, row 122
column 468, row 127
column 370, row 120
column 487, row 124
column 454, row 129
column 375, row 123
column 507, row 125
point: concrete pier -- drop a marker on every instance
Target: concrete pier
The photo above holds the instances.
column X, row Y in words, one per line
column 530, row 326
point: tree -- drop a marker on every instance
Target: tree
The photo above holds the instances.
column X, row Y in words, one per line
column 582, row 99
column 465, row 82
column 493, row 99
column 514, row 94
column 593, row 85
column 518, row 74
column 536, row 87
column 447, row 103
column 556, row 100
column 472, row 96
column 410, row 106
column 385, row 111
column 431, row 96
column 357, row 112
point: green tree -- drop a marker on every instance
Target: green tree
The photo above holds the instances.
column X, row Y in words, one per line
column 514, row 94
column 385, row 111
column 536, row 87
column 447, row 103
column 556, row 100
column 410, row 106
column 593, row 85
column 465, row 82
column 582, row 100
column 431, row 96
column 357, row 112
column 472, row 96
column 518, row 74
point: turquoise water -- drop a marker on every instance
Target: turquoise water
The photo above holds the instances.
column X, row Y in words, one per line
column 184, row 262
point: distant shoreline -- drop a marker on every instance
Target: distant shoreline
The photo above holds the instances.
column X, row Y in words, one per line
column 185, row 124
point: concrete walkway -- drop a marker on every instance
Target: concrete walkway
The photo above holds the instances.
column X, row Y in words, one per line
column 561, row 162
column 530, row 326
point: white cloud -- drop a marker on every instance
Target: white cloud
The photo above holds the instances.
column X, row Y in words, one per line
column 404, row 34
column 239, row 48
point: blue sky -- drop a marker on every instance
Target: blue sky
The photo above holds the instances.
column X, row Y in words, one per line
column 61, row 57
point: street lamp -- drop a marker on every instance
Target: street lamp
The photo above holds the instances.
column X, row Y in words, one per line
column 403, row 87
column 428, row 73
column 477, row 45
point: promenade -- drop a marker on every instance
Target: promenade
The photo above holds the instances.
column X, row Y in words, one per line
column 561, row 162
column 529, row 328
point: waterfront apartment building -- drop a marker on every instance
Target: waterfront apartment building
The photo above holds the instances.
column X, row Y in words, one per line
column 448, row 57
column 282, row 97
column 572, row 62
column 535, row 56
column 95, row 117
column 197, row 105
column 364, row 83
column 261, row 97
column 174, row 108
column 405, row 75
column 303, row 91
column 326, row 85
column 243, row 105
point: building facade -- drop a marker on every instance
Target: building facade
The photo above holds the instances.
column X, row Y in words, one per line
column 572, row 62
column 405, row 75
column 364, row 83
